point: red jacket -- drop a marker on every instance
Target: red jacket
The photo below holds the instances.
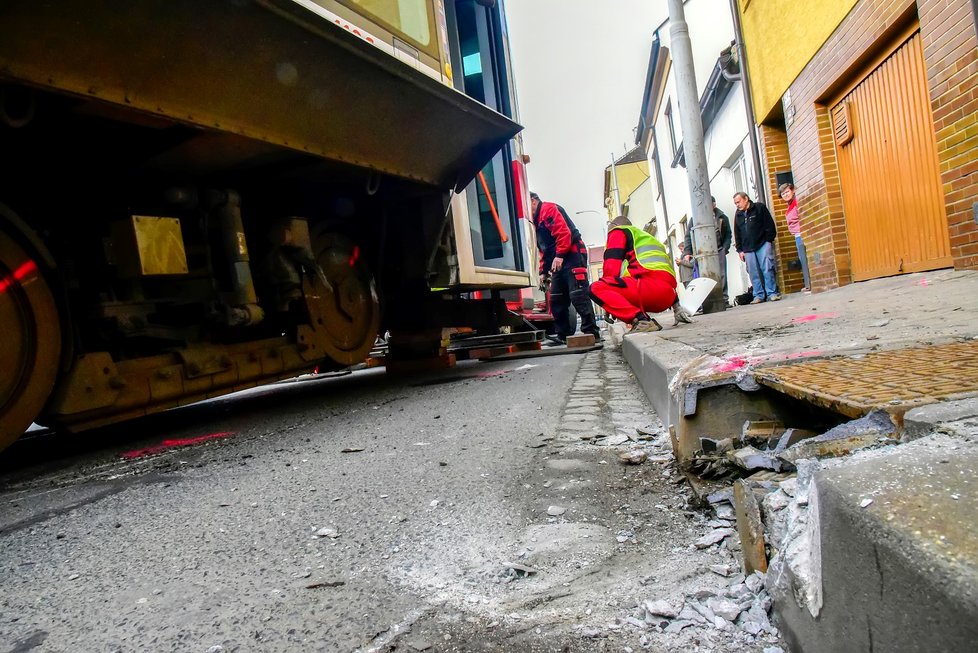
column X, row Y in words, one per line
column 556, row 235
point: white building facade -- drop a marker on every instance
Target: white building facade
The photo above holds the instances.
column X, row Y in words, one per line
column 726, row 126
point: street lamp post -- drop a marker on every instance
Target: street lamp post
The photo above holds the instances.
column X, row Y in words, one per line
column 605, row 221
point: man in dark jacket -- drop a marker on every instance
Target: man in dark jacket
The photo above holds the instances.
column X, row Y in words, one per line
column 563, row 258
column 755, row 232
column 722, row 223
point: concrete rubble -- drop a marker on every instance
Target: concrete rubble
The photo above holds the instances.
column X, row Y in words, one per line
column 834, row 439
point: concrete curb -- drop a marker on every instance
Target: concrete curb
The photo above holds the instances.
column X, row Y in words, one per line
column 896, row 562
column 655, row 373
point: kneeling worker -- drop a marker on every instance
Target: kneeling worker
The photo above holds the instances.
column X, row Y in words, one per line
column 637, row 278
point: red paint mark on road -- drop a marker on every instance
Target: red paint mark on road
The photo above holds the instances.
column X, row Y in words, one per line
column 166, row 445
column 27, row 268
column 924, row 282
column 813, row 317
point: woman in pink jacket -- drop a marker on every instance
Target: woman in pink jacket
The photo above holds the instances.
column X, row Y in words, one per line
column 787, row 192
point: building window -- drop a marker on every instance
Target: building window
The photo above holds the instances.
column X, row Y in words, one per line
column 738, row 174
column 672, row 128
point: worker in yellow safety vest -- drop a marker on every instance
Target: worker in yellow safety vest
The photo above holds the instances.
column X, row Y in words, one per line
column 637, row 278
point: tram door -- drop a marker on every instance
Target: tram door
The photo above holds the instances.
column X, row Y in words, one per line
column 480, row 73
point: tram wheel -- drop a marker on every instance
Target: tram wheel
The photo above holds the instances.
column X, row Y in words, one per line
column 31, row 344
column 348, row 311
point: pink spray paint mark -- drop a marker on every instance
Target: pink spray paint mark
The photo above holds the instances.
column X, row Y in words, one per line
column 731, row 364
column 813, row 317
column 924, row 282
column 173, row 444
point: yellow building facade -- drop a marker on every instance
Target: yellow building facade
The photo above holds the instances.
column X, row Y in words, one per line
column 870, row 108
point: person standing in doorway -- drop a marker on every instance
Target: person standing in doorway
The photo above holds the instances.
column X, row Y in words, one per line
column 563, row 259
column 685, row 265
column 636, row 279
column 787, row 193
column 754, row 234
column 722, row 223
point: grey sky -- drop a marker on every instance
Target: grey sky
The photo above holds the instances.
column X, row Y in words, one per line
column 580, row 72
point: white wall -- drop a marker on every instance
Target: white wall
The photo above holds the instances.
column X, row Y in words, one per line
column 711, row 30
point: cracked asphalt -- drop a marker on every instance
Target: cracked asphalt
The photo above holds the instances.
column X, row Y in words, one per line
column 462, row 510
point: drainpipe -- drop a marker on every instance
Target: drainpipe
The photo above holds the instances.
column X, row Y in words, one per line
column 704, row 224
column 662, row 192
column 614, row 181
column 744, row 79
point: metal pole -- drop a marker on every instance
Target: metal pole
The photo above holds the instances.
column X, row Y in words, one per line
column 704, row 224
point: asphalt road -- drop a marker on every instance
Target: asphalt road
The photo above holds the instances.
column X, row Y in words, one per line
column 357, row 513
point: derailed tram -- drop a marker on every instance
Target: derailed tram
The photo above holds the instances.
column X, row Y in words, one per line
column 201, row 196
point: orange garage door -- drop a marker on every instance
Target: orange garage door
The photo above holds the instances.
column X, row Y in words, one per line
column 891, row 187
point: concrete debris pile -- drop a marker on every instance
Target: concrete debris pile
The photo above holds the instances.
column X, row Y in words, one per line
column 743, row 604
column 767, row 445
column 770, row 508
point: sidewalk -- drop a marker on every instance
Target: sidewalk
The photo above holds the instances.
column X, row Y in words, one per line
column 885, row 525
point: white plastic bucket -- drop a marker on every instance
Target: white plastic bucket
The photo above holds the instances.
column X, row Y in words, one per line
column 694, row 294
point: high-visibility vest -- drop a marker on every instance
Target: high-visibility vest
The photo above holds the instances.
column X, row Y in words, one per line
column 649, row 252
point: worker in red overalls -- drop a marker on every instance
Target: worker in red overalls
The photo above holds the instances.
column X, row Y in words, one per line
column 563, row 259
column 637, row 278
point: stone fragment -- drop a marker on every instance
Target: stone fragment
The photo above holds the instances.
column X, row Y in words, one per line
column 750, row 459
column 661, row 608
column 520, row 569
column 720, row 496
column 740, row 592
column 843, row 439
column 725, row 510
column 722, row 570
column 677, row 626
column 713, row 537
column 689, row 613
column 612, row 440
column 750, row 527
column 775, row 501
column 725, row 608
column 418, row 644
column 328, row 531
column 793, row 436
column 633, row 457
column 713, row 445
column 789, row 486
column 703, row 610
column 755, row 582
column 556, row 511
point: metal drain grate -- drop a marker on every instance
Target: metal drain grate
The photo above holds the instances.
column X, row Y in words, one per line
column 897, row 379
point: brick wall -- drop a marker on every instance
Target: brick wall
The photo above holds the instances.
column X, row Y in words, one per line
column 948, row 35
column 775, row 143
column 947, row 28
